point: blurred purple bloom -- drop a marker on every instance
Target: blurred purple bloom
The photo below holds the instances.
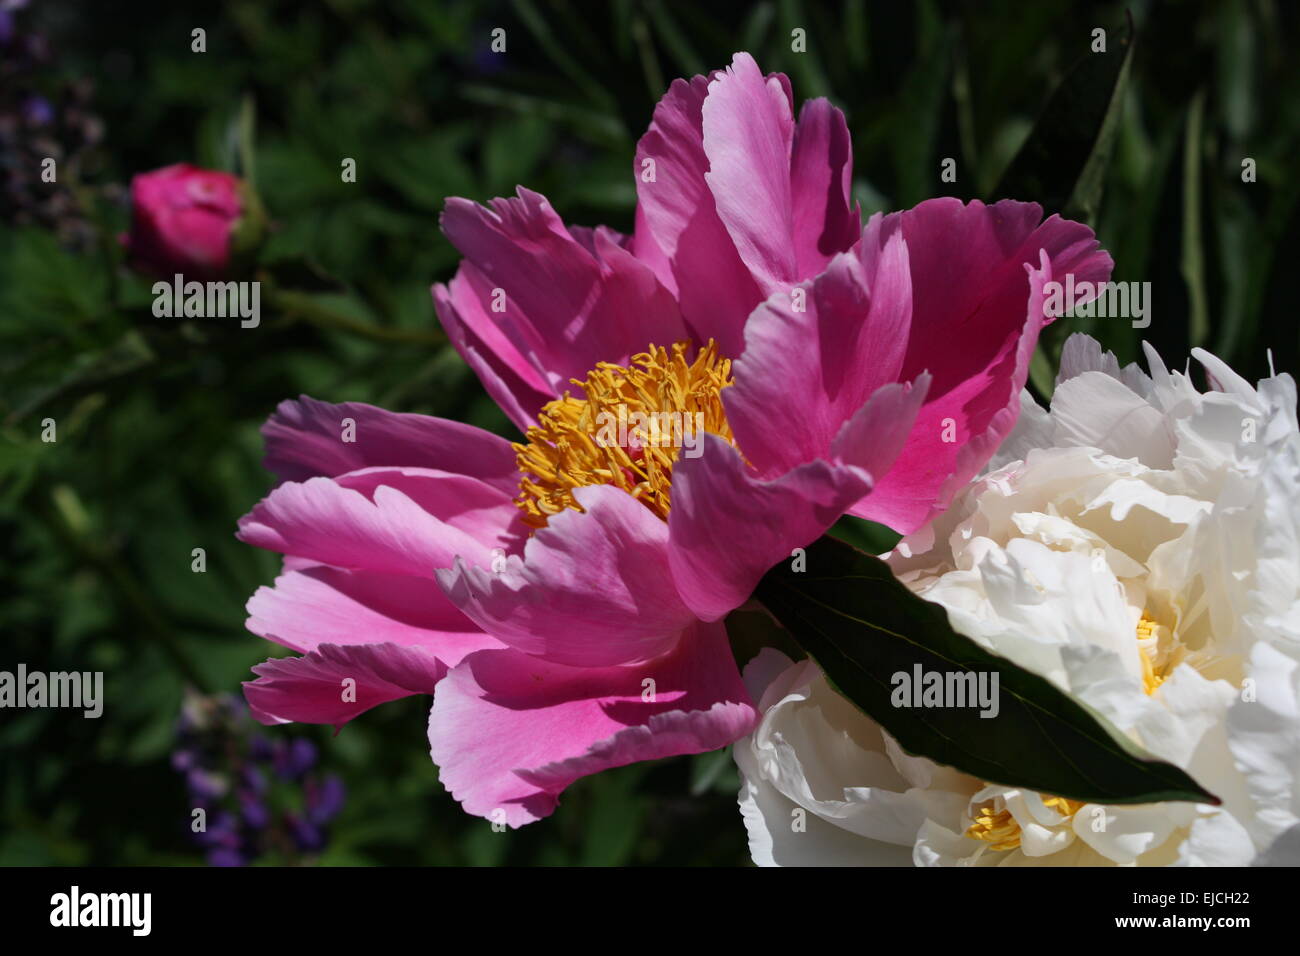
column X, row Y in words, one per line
column 7, row 7
column 254, row 779
column 205, row 785
column 222, row 830
column 249, row 781
column 256, row 814
column 224, row 856
column 324, row 799
column 308, row 837
column 296, row 759
column 38, row 111
column 261, row 749
column 183, row 759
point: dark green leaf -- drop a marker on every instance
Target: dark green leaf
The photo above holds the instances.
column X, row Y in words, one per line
column 862, row 625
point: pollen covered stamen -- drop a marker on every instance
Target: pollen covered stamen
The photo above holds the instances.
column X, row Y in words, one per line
column 999, row 828
column 1150, row 679
column 1160, row 652
column 628, row 429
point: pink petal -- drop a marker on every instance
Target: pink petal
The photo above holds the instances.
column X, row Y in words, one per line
column 304, row 439
column 313, row 689
column 875, row 434
column 509, row 378
column 806, row 371
column 968, row 278
column 413, row 529
column 644, row 245
column 976, row 319
column 741, row 203
column 931, row 468
column 728, row 526
column 482, row 511
column 509, row 732
column 678, row 231
column 825, row 219
column 748, row 131
column 323, row 605
column 569, row 302
column 593, row 589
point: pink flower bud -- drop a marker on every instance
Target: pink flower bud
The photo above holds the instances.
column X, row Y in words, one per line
column 183, row 220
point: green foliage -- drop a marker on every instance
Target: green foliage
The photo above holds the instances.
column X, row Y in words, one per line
column 158, row 450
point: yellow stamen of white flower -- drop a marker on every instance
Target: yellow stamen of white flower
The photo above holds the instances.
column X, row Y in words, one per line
column 999, row 828
column 1146, row 630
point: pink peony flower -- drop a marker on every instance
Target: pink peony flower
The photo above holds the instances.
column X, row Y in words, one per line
column 565, row 595
column 182, row 221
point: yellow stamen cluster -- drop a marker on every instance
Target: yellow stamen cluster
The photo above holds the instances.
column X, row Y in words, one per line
column 1000, row 829
column 626, row 430
column 1151, row 677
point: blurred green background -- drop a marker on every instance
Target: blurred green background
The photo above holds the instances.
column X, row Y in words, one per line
column 158, row 451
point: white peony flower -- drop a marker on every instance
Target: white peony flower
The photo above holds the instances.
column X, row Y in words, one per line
column 1138, row 545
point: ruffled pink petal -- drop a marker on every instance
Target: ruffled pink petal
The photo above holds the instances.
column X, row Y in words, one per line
column 509, row 378
column 825, row 219
column 742, row 203
column 593, row 589
column 748, row 132
column 975, row 321
column 466, row 504
column 876, row 434
column 394, row 521
column 569, row 301
column 334, row 683
column 728, row 526
column 323, row 605
column 645, row 246
column 955, row 435
column 850, row 325
column 509, row 732
column 968, row 278
column 304, row 439
column 678, row 232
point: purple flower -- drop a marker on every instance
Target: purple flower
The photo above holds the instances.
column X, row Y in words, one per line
column 222, row 830
column 204, row 785
column 255, row 812
column 324, row 799
column 258, row 790
column 224, row 856
column 38, row 111
column 261, row 749
column 296, row 759
column 184, row 759
column 254, row 779
column 307, row 836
